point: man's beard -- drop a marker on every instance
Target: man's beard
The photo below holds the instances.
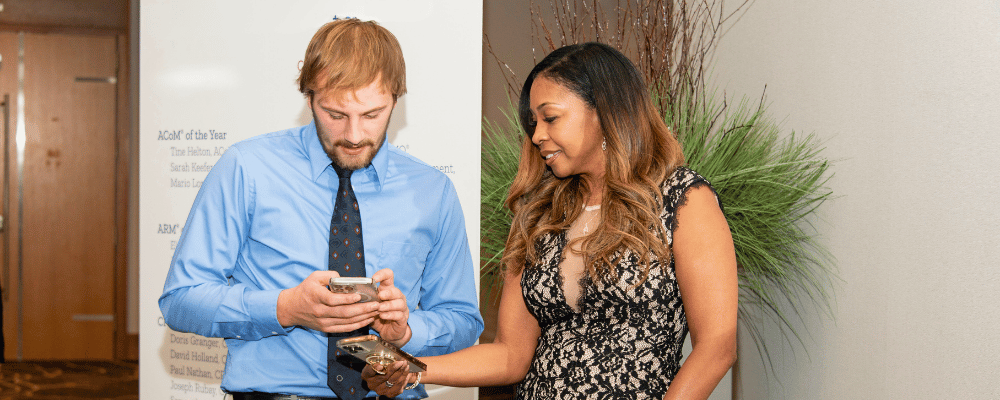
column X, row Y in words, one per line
column 348, row 162
column 360, row 161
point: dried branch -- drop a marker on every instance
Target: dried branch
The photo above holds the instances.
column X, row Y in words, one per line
column 670, row 41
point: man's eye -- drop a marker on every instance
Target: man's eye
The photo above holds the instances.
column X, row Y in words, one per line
column 336, row 116
column 371, row 116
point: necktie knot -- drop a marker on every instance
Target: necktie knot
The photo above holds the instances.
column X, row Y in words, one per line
column 343, row 173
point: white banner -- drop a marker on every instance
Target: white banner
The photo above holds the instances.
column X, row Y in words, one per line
column 214, row 72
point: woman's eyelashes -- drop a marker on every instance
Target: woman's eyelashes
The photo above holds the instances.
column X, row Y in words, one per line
column 548, row 120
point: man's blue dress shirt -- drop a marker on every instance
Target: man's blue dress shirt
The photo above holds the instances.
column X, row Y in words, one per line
column 261, row 223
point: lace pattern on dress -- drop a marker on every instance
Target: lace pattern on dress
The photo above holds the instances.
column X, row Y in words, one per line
column 625, row 341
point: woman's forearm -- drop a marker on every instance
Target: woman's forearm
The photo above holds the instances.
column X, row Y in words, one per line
column 702, row 371
column 490, row 364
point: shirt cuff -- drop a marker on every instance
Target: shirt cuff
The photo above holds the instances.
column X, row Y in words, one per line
column 262, row 305
column 418, row 335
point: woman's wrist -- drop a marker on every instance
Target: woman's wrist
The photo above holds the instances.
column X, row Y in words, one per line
column 414, row 384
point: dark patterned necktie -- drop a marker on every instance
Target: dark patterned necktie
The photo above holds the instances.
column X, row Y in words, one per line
column 347, row 257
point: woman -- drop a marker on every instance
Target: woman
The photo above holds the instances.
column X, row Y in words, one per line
column 615, row 251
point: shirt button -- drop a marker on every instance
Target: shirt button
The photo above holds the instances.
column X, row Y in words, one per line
column 274, row 333
column 239, row 337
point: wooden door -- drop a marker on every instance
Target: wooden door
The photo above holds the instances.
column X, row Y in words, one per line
column 62, row 252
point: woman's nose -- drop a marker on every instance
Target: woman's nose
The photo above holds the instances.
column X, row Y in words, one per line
column 539, row 136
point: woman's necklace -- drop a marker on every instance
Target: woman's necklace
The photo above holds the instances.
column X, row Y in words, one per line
column 586, row 225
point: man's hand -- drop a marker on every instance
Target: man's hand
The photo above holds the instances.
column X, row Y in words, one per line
column 391, row 322
column 311, row 304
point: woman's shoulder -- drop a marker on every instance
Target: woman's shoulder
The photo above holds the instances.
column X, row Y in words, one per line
column 676, row 186
column 683, row 178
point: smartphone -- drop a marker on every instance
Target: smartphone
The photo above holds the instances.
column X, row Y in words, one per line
column 363, row 286
column 373, row 350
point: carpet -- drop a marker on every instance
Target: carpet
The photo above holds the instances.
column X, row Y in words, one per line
column 50, row 380
column 59, row 380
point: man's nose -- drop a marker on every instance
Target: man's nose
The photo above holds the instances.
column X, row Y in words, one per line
column 354, row 133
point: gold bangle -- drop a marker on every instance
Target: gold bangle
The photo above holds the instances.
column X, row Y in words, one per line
column 415, row 383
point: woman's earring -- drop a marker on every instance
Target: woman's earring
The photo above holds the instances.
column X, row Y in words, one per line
column 604, row 144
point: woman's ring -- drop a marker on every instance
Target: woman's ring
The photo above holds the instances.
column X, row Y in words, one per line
column 388, row 384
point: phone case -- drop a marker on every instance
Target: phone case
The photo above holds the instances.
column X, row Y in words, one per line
column 363, row 286
column 373, row 350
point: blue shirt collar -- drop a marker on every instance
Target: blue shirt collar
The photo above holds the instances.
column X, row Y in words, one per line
column 320, row 162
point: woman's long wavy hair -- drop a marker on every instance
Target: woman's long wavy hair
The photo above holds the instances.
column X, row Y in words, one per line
column 641, row 153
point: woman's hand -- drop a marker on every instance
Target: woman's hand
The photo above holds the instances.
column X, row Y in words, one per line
column 389, row 380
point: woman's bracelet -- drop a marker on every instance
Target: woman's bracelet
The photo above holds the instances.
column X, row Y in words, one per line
column 415, row 383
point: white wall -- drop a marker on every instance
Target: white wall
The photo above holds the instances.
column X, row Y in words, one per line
column 906, row 95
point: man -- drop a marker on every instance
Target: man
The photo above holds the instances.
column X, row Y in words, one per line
column 252, row 263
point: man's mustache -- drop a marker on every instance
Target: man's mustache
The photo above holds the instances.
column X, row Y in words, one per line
column 363, row 143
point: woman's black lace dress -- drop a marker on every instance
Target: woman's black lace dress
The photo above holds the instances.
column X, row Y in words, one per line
column 624, row 343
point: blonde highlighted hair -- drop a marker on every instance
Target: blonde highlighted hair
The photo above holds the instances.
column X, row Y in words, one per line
column 349, row 54
column 641, row 154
